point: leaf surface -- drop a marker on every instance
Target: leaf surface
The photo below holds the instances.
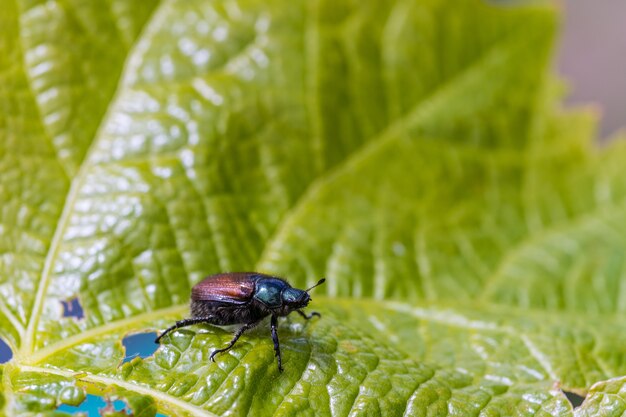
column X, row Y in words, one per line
column 413, row 154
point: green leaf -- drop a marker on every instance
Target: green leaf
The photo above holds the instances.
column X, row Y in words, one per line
column 603, row 395
column 414, row 154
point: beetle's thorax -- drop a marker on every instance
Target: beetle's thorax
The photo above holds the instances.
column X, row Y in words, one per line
column 279, row 297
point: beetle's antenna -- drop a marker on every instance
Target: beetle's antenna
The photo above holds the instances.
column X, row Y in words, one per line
column 321, row 281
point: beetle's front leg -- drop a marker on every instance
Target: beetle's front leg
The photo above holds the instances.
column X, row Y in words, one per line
column 310, row 316
column 276, row 342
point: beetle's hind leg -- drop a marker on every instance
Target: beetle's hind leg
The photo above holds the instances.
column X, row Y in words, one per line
column 183, row 323
column 238, row 334
column 310, row 316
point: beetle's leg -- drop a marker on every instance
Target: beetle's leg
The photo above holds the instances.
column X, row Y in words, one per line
column 235, row 338
column 276, row 342
column 183, row 323
column 310, row 316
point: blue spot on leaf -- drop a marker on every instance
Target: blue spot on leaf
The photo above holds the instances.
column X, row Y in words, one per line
column 72, row 308
column 139, row 344
column 5, row 352
column 93, row 404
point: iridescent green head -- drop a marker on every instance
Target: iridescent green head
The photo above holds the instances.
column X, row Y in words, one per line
column 295, row 297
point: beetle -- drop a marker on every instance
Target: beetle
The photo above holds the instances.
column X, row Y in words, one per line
column 244, row 298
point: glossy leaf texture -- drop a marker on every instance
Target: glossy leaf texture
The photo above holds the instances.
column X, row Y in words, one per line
column 413, row 153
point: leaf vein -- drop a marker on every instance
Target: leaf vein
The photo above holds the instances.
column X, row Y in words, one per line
column 29, row 338
column 393, row 131
column 105, row 380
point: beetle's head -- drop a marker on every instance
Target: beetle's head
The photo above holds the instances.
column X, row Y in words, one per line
column 296, row 298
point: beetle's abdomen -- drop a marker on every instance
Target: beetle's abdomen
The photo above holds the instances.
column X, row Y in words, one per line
column 223, row 314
